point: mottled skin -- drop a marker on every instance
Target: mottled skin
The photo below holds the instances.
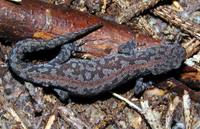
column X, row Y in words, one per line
column 91, row 77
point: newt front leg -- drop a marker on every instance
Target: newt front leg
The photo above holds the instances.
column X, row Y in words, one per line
column 81, row 77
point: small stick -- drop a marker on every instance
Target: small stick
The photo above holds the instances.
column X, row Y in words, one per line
column 16, row 117
column 50, row 122
column 171, row 17
column 134, row 9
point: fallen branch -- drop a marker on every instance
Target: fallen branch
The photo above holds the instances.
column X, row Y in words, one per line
column 41, row 20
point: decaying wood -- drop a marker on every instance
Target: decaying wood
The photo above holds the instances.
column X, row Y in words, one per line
column 188, row 26
column 130, row 10
column 41, row 20
column 179, row 88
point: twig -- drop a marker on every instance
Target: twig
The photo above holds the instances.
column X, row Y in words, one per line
column 171, row 17
column 132, row 10
column 50, row 122
column 69, row 116
column 152, row 117
column 191, row 45
column 194, row 61
column 16, row 117
column 170, row 112
column 103, row 8
column 197, row 125
column 17, row 1
column 135, row 107
column 186, row 107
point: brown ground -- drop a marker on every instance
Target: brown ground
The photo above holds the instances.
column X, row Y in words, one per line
column 24, row 106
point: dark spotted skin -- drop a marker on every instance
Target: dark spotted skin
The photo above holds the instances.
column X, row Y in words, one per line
column 91, row 77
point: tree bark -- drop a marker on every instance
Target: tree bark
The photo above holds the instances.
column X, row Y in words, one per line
column 37, row 19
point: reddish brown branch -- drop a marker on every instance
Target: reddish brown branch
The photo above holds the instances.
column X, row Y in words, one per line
column 38, row 19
